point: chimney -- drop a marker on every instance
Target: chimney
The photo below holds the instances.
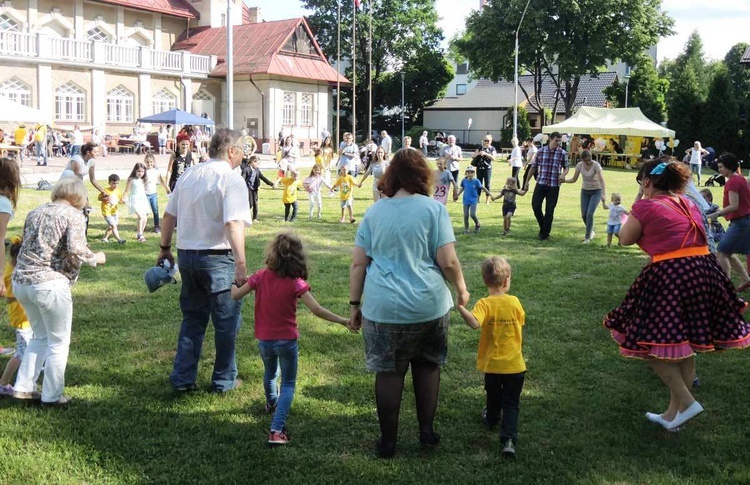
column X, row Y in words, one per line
column 254, row 16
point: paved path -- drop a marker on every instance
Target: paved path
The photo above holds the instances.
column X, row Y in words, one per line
column 31, row 174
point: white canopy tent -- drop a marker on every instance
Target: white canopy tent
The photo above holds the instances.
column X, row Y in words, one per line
column 11, row 111
column 615, row 121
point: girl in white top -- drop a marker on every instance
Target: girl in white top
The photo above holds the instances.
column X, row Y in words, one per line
column 153, row 178
column 376, row 169
column 10, row 185
column 695, row 158
column 138, row 201
column 312, row 185
column 593, row 191
column 516, row 160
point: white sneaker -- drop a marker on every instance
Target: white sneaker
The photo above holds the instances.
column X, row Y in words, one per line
column 694, row 410
column 658, row 419
column 586, row 241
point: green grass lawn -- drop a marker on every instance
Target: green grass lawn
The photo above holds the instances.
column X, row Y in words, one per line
column 582, row 409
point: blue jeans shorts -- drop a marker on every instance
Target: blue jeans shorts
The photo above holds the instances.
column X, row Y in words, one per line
column 613, row 228
column 737, row 238
column 388, row 343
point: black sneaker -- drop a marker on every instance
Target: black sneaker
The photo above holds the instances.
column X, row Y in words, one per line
column 430, row 439
column 384, row 451
column 509, row 449
column 186, row 388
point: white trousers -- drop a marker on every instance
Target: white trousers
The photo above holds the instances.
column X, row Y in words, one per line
column 316, row 200
column 49, row 307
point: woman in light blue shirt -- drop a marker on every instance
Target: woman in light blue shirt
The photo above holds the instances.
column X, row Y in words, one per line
column 404, row 253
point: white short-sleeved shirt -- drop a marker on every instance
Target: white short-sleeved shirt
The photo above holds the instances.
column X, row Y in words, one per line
column 516, row 157
column 207, row 196
column 85, row 167
column 152, row 179
column 531, row 152
column 455, row 153
column 695, row 157
column 386, row 143
column 77, row 138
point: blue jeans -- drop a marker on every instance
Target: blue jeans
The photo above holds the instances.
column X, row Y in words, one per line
column 153, row 199
column 75, row 150
column 279, row 355
column 206, row 283
column 590, row 200
column 41, row 151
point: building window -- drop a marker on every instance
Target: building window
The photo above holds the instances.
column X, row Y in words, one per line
column 120, row 104
column 164, row 101
column 460, row 89
column 203, row 103
column 306, row 110
column 69, row 103
column 7, row 24
column 462, row 68
column 96, row 35
column 287, row 112
column 16, row 91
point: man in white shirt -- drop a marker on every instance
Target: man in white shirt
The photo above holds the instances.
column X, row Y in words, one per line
column 516, row 160
column 349, row 155
column 424, row 142
column 386, row 143
column 453, row 155
column 81, row 165
column 210, row 201
column 77, row 141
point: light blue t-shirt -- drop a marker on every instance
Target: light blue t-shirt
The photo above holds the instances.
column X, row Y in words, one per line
column 404, row 283
column 445, row 177
column 471, row 187
column 6, row 206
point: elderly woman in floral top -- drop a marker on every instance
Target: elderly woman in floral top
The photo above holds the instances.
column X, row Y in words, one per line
column 53, row 250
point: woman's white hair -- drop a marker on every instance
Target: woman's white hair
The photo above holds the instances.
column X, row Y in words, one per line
column 70, row 189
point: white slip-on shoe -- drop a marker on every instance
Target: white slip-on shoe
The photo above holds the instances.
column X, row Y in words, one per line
column 658, row 419
column 694, row 410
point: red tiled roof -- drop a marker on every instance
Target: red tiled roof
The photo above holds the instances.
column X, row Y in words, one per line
column 176, row 8
column 256, row 51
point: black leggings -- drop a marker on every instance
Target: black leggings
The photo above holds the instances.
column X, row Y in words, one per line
column 485, row 176
column 293, row 206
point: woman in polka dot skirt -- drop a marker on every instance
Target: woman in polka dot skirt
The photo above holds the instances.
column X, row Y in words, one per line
column 682, row 302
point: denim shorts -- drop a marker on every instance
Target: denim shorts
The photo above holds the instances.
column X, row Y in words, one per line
column 23, row 335
column 737, row 238
column 111, row 220
column 613, row 228
column 388, row 343
column 347, row 202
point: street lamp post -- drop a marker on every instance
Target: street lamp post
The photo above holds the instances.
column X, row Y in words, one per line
column 515, row 80
column 402, row 108
column 230, row 67
column 626, row 77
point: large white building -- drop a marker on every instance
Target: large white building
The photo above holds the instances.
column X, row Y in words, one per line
column 106, row 63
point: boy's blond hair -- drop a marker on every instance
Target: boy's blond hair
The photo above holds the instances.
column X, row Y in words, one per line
column 495, row 271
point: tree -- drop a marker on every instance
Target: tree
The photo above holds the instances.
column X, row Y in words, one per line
column 560, row 39
column 720, row 119
column 524, row 127
column 405, row 38
column 688, row 88
column 646, row 90
column 739, row 75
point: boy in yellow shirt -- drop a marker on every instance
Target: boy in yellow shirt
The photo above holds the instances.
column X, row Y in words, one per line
column 17, row 318
column 111, row 196
column 289, row 197
column 501, row 319
column 346, row 184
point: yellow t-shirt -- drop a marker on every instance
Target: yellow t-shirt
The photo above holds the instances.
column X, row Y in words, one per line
column 346, row 186
column 290, row 189
column 41, row 133
column 107, row 208
column 20, row 136
column 16, row 313
column 501, row 318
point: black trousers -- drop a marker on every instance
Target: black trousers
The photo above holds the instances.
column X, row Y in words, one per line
column 514, row 174
column 455, row 175
column 484, row 175
column 252, row 198
column 544, row 219
column 503, row 397
column 292, row 206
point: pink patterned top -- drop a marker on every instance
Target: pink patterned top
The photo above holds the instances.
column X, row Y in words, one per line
column 666, row 229
column 54, row 245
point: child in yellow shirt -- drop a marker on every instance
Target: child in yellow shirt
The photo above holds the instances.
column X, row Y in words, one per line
column 289, row 197
column 346, row 184
column 17, row 318
column 110, row 198
column 501, row 318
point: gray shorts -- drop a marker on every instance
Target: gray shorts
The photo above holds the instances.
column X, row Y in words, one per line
column 347, row 202
column 388, row 343
column 111, row 220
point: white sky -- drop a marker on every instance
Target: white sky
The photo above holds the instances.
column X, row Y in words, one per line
column 721, row 23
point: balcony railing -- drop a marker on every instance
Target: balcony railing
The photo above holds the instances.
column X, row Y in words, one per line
column 50, row 49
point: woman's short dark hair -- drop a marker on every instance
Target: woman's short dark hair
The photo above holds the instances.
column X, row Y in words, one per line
column 674, row 178
column 408, row 170
column 87, row 148
column 730, row 161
